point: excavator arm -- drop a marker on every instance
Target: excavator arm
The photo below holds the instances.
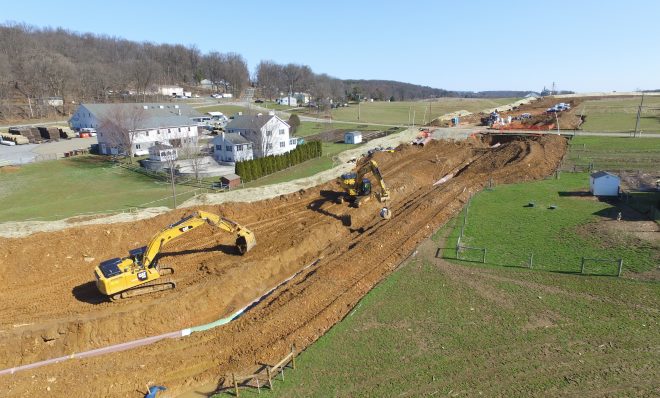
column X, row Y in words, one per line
column 137, row 274
column 372, row 167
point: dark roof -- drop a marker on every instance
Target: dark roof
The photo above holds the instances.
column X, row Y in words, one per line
column 235, row 138
column 249, row 122
column 599, row 174
column 231, row 177
column 156, row 115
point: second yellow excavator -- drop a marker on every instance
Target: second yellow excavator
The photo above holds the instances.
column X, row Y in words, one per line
column 139, row 273
column 357, row 188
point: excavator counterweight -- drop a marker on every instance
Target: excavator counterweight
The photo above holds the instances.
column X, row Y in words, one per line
column 357, row 188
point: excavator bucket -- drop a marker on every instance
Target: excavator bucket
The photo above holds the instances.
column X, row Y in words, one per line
column 245, row 242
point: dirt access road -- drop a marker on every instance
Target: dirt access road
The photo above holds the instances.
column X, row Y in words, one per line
column 49, row 306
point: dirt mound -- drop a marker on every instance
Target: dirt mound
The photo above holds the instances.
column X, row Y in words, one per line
column 49, row 307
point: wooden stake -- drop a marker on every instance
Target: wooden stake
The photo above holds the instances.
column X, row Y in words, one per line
column 233, row 376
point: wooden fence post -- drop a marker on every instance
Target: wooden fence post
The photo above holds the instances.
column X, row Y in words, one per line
column 270, row 377
column 620, row 267
column 531, row 260
column 483, row 259
column 582, row 266
column 293, row 358
column 233, row 376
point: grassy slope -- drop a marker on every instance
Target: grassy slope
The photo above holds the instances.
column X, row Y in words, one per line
column 552, row 235
column 456, row 330
column 618, row 114
column 398, row 112
column 63, row 188
column 612, row 153
column 467, row 329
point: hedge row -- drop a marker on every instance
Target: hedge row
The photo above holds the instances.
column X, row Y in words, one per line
column 253, row 169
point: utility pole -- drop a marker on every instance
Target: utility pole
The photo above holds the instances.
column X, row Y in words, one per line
column 172, row 181
column 639, row 114
column 359, row 107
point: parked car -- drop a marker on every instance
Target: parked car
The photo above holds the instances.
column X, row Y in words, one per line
column 259, row 101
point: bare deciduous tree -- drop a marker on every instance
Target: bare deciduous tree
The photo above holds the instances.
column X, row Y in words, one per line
column 121, row 125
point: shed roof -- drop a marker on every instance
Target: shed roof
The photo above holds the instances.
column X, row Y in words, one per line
column 600, row 174
column 231, row 177
column 354, row 133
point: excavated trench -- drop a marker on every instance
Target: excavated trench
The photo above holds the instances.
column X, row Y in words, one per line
column 49, row 306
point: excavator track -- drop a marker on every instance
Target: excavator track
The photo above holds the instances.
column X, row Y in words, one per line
column 157, row 285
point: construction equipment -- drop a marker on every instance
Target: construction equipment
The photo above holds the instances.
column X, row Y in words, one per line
column 357, row 188
column 139, row 273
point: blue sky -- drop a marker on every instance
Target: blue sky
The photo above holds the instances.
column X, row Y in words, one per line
column 458, row 45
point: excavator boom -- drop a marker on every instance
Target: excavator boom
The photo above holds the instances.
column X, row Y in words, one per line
column 137, row 273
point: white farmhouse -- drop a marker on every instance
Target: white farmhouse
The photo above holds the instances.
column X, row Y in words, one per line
column 162, row 153
column 268, row 133
column 150, row 124
column 603, row 183
column 231, row 148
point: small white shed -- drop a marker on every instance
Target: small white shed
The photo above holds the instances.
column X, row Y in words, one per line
column 353, row 137
column 603, row 183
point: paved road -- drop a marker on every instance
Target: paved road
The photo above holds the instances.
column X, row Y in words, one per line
column 21, row 154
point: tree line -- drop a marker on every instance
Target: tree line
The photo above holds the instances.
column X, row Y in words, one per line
column 253, row 169
column 38, row 63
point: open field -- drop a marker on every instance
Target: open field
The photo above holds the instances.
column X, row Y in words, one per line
column 47, row 317
column 401, row 113
column 620, row 114
column 435, row 328
column 615, row 153
column 580, row 226
column 312, row 128
column 63, row 188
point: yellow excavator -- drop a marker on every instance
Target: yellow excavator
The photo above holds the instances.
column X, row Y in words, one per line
column 357, row 188
column 139, row 273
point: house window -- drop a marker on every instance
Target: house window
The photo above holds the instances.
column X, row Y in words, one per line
column 179, row 129
column 281, row 131
column 137, row 146
column 292, row 141
column 282, row 144
column 228, row 148
column 218, row 147
column 269, row 133
column 269, row 146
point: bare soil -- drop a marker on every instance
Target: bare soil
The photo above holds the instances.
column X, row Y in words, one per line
column 50, row 307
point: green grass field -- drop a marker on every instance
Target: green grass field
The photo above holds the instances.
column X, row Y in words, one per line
column 455, row 328
column 401, row 113
column 615, row 153
column 451, row 330
column 558, row 238
column 63, row 188
column 311, row 128
column 620, row 114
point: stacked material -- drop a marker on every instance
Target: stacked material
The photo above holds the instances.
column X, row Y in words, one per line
column 17, row 139
column 50, row 133
column 66, row 133
column 31, row 133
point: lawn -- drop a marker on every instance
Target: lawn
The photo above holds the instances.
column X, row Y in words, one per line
column 311, row 128
column 557, row 238
column 620, row 114
column 615, row 153
column 452, row 330
column 63, row 188
column 402, row 113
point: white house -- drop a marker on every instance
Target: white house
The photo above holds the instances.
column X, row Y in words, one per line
column 153, row 123
column 162, row 153
column 289, row 101
column 206, row 84
column 268, row 133
column 302, row 98
column 603, row 183
column 170, row 91
column 232, row 148
column 53, row 101
column 353, row 137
